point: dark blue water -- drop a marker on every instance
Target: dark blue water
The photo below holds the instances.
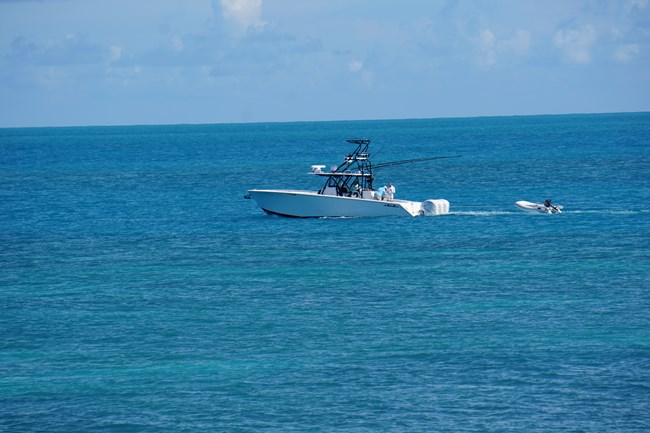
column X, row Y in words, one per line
column 140, row 292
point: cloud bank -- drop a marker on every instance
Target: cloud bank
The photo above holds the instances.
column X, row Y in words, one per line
column 286, row 60
column 576, row 43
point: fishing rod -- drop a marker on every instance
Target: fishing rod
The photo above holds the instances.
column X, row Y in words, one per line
column 408, row 161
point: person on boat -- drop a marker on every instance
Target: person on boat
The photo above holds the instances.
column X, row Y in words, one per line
column 548, row 205
column 356, row 191
column 390, row 191
column 381, row 193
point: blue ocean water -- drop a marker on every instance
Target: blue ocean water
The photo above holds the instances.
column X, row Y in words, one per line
column 140, row 292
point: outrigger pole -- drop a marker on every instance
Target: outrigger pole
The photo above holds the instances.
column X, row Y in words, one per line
column 408, row 161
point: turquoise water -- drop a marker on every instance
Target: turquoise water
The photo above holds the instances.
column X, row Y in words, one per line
column 141, row 292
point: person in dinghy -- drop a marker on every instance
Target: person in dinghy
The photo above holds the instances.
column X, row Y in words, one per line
column 550, row 206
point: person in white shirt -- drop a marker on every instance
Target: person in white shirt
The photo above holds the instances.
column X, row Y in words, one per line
column 391, row 191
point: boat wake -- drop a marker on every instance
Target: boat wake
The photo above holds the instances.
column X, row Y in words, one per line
column 570, row 212
column 610, row 211
column 481, row 213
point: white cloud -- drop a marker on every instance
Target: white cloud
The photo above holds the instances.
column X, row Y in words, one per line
column 576, row 43
column 636, row 4
column 626, row 53
column 486, row 43
column 491, row 49
column 355, row 66
column 177, row 44
column 245, row 14
column 71, row 50
column 520, row 44
column 487, row 40
column 116, row 53
column 367, row 77
column 358, row 67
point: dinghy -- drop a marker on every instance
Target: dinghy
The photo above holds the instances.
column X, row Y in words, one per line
column 545, row 207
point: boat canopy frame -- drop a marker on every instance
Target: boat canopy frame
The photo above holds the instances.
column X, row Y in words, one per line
column 354, row 175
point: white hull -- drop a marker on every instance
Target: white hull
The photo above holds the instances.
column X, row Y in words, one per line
column 537, row 207
column 310, row 204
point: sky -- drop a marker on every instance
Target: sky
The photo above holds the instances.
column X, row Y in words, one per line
column 126, row 62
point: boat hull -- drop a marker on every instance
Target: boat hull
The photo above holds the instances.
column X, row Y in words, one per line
column 310, row 204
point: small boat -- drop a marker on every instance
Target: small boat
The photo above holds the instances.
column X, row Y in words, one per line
column 545, row 207
column 348, row 192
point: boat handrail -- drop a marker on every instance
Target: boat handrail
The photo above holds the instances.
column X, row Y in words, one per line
column 342, row 174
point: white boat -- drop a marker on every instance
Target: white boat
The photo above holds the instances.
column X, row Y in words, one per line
column 348, row 192
column 545, row 207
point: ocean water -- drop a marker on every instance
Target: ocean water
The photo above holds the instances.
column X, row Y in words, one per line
column 140, row 292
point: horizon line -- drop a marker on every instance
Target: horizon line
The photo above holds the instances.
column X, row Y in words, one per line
column 387, row 119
